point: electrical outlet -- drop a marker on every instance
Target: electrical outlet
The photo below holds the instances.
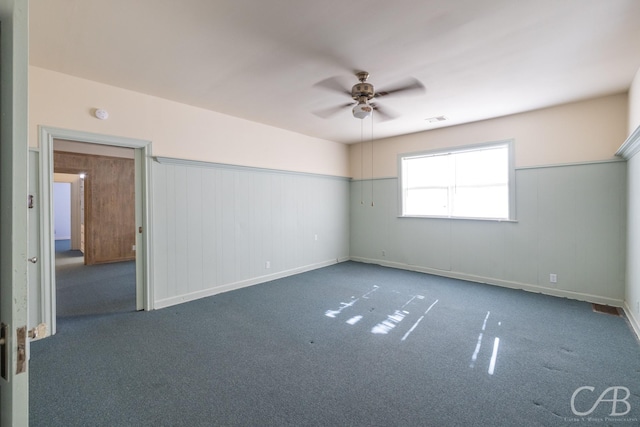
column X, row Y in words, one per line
column 553, row 278
column 267, row 264
column 133, row 248
column 384, row 253
column 315, row 237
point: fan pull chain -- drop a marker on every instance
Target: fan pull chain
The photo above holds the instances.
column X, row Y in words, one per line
column 371, row 158
column 361, row 162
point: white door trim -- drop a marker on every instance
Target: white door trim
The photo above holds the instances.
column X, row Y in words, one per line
column 143, row 158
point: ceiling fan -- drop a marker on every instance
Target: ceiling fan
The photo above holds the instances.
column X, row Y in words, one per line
column 363, row 93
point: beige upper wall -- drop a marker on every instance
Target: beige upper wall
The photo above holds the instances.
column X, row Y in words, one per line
column 584, row 131
column 634, row 103
column 176, row 130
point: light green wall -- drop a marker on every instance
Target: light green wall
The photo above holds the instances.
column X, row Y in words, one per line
column 216, row 227
column 570, row 221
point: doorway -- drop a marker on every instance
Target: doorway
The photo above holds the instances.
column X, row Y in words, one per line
column 139, row 262
column 94, row 229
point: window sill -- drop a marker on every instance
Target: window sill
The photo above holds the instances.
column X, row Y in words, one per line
column 459, row 218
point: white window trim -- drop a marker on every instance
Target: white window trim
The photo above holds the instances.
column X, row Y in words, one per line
column 451, row 150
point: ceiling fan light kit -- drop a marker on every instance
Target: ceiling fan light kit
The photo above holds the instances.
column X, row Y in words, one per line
column 362, row 110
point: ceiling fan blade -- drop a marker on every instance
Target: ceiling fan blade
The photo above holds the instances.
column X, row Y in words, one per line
column 410, row 86
column 334, row 84
column 382, row 113
column 328, row 112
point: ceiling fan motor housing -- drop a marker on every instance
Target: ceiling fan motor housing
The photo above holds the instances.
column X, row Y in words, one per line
column 361, row 90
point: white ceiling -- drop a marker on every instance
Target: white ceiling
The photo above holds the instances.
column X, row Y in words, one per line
column 260, row 60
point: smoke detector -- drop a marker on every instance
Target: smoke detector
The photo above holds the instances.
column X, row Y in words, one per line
column 101, row 114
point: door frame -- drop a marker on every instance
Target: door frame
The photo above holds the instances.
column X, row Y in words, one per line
column 143, row 158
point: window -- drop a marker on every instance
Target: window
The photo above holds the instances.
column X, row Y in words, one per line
column 470, row 182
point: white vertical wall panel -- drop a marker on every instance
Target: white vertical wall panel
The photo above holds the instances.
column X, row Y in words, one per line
column 194, row 215
column 218, row 197
column 570, row 222
column 161, row 235
column 180, row 233
column 599, row 260
column 218, row 227
column 208, row 231
column 241, row 207
column 477, row 248
column 332, row 221
column 227, row 233
column 522, row 254
column 276, row 249
column 421, row 237
column 557, row 223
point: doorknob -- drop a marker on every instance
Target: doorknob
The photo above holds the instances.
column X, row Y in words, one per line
column 33, row 259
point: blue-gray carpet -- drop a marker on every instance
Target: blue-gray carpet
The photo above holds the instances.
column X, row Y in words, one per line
column 346, row 345
column 85, row 290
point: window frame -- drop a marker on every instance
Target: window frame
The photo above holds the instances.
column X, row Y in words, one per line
column 509, row 143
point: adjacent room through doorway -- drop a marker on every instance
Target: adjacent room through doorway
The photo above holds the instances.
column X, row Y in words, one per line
column 94, row 229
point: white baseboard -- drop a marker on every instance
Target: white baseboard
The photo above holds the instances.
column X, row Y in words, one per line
column 167, row 302
column 179, row 299
column 633, row 320
column 496, row 282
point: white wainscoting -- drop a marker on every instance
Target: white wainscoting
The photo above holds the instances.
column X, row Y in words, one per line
column 219, row 227
column 570, row 221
